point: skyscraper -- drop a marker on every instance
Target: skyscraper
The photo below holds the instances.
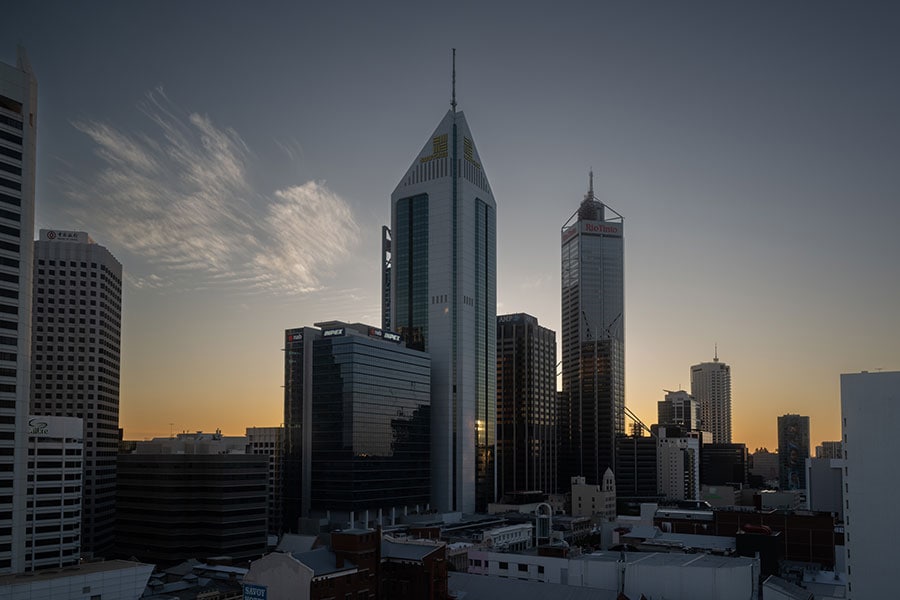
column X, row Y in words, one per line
column 592, row 411
column 526, row 405
column 711, row 386
column 870, row 412
column 18, row 139
column 678, row 408
column 444, row 300
column 793, row 450
column 357, row 416
column 77, row 330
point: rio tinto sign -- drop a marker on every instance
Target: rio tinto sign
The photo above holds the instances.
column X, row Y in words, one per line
column 601, row 228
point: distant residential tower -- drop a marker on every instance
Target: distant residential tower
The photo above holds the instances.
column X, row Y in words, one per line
column 711, row 386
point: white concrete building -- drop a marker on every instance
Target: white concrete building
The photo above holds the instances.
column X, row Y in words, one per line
column 711, row 386
column 870, row 414
column 825, row 485
column 678, row 466
column 55, row 470
column 656, row 575
column 75, row 358
column 589, row 500
column 510, row 537
column 18, row 140
column 194, row 443
column 103, row 580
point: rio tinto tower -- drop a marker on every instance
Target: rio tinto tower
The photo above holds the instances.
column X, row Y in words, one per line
column 592, row 403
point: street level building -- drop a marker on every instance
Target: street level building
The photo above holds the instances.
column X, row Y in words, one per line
column 443, row 273
column 18, row 140
column 197, row 495
column 526, row 405
column 870, row 411
column 357, row 418
column 75, row 358
column 592, row 412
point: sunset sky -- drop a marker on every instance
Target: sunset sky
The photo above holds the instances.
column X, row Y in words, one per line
column 238, row 159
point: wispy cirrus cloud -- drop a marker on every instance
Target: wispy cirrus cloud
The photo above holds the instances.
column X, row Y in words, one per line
column 180, row 196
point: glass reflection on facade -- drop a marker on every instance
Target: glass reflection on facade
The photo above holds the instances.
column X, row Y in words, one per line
column 526, row 405
column 358, row 408
column 592, row 407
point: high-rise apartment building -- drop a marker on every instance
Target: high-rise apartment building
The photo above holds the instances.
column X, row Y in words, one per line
column 443, row 286
column 18, row 139
column 711, row 386
column 592, row 411
column 75, row 359
column 870, row 412
column 793, row 450
column 526, row 405
column 357, row 420
column 678, row 463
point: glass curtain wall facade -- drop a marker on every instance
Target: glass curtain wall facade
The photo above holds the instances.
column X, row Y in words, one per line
column 370, row 424
column 443, row 300
column 593, row 341
column 526, row 405
column 357, row 421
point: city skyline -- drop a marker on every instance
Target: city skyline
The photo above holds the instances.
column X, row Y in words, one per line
column 243, row 183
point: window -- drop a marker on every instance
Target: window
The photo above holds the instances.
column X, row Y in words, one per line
column 504, row 565
column 523, row 568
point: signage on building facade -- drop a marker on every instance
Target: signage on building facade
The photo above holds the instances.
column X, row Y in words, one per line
column 333, row 332
column 387, row 335
column 38, row 426
column 59, row 235
column 601, row 228
column 254, row 592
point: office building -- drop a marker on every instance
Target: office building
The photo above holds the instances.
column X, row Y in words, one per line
column 870, row 412
column 592, row 413
column 825, row 485
column 679, row 409
column 764, row 466
column 678, row 463
column 55, row 466
column 830, row 450
column 269, row 441
column 18, row 139
column 636, row 468
column 724, row 464
column 793, row 450
column 444, row 301
column 197, row 495
column 711, row 386
column 526, row 405
column 75, row 362
column 357, row 417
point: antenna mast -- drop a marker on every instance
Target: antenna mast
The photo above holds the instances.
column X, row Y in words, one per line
column 453, row 97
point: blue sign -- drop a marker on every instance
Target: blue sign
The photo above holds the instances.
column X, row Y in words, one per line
column 254, row 592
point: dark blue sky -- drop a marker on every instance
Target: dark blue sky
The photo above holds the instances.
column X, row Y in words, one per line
column 238, row 158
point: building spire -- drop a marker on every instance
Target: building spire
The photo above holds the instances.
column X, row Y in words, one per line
column 716, row 355
column 453, row 97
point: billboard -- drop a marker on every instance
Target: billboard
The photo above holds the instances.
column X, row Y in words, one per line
column 254, row 592
column 62, row 235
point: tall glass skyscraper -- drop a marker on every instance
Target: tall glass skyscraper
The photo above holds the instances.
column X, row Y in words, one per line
column 443, row 299
column 592, row 410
